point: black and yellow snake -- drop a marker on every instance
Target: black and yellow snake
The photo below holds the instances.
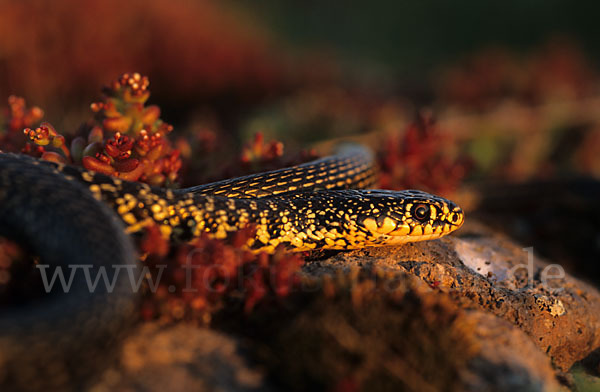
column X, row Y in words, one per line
column 54, row 211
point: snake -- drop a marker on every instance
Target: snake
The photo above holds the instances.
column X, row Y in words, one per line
column 83, row 221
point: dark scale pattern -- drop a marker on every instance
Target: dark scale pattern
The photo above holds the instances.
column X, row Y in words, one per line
column 45, row 206
column 61, row 339
column 351, row 168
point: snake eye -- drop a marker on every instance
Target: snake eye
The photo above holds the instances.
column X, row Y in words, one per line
column 421, row 212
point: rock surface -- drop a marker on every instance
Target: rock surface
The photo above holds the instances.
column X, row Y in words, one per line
column 484, row 270
column 392, row 331
column 180, row 358
column 473, row 311
column 358, row 331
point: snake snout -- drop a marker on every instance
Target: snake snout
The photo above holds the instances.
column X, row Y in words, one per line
column 456, row 217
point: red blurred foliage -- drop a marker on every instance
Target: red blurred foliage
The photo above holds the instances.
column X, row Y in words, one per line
column 259, row 155
column 256, row 156
column 64, row 48
column 558, row 70
column 9, row 253
column 258, row 152
column 19, row 280
column 348, row 384
column 195, row 279
column 421, row 158
column 15, row 118
column 483, row 78
column 587, row 159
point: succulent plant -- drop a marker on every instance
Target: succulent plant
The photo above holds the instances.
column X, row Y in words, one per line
column 130, row 140
column 195, row 279
column 127, row 139
column 15, row 118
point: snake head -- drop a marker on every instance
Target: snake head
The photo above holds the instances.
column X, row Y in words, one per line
column 407, row 216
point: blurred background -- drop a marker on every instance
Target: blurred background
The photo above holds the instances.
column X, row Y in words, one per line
column 494, row 104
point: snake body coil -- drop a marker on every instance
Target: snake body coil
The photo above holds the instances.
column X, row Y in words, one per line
column 47, row 206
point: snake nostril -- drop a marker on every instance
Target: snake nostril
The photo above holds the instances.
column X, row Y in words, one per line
column 456, row 218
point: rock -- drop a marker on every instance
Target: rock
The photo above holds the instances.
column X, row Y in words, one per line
column 472, row 311
column 481, row 269
column 374, row 330
column 508, row 360
column 180, row 358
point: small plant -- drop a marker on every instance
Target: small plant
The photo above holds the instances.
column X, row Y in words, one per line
column 195, row 279
column 127, row 139
column 17, row 117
